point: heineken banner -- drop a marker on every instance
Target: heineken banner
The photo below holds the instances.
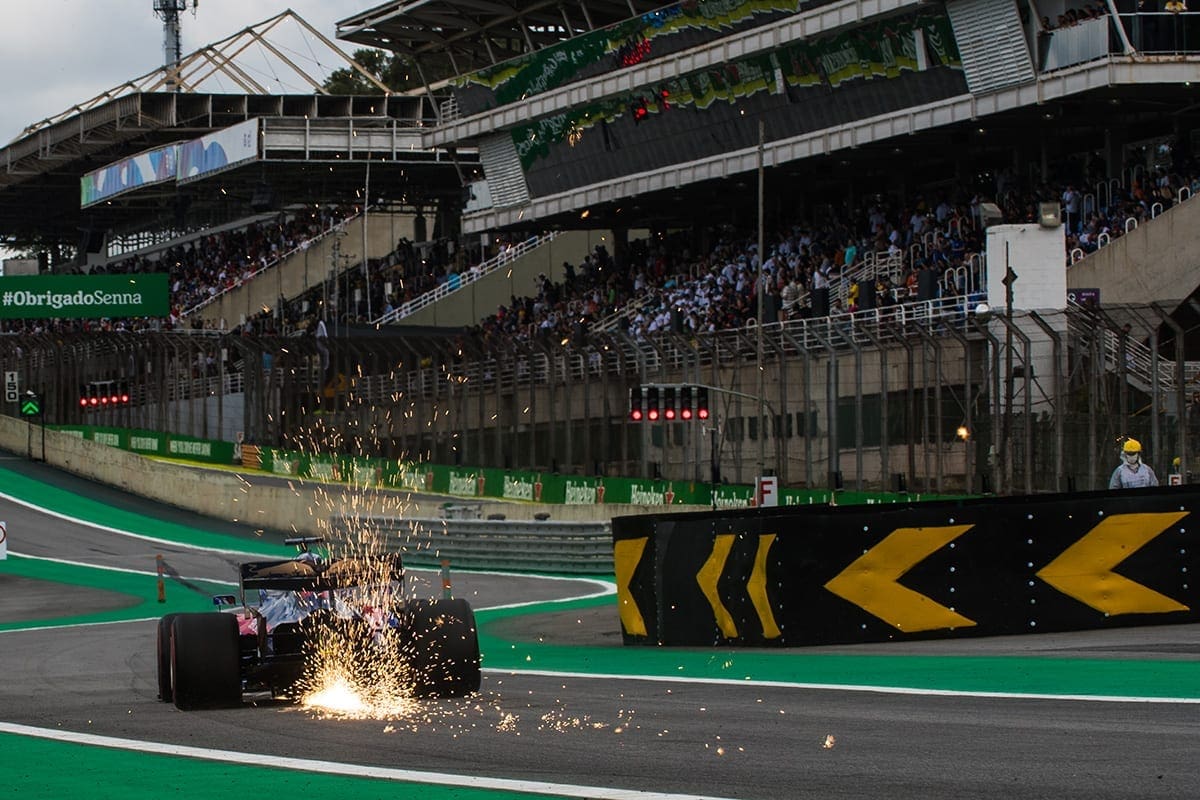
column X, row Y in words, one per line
column 879, row 50
column 480, row 483
column 625, row 44
column 84, row 296
column 154, row 443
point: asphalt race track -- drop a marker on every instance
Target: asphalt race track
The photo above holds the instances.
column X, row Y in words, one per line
column 564, row 709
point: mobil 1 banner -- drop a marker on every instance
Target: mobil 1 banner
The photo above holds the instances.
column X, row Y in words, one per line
column 829, row 575
column 84, row 296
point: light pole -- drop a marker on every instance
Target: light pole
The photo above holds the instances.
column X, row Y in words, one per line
column 365, row 263
column 762, row 288
column 964, row 433
column 1010, row 278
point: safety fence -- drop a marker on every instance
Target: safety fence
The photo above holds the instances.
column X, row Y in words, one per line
column 934, row 398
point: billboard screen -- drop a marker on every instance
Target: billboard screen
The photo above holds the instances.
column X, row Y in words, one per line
column 143, row 169
column 218, row 151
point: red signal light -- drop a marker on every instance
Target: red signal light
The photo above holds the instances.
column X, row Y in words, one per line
column 125, row 397
column 652, row 414
column 83, row 401
column 94, row 401
column 669, row 413
column 702, row 413
column 686, row 413
column 636, row 415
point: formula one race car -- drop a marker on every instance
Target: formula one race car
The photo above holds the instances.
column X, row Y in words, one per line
column 296, row 611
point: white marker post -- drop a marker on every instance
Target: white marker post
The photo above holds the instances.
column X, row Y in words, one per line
column 768, row 491
column 3, row 541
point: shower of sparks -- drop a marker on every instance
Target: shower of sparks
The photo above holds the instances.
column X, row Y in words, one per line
column 829, row 742
column 360, row 670
column 338, row 697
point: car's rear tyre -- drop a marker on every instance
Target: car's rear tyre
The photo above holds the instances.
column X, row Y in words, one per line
column 205, row 661
column 442, row 648
column 162, row 650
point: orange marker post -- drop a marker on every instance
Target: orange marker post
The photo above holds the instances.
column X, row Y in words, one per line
column 162, row 587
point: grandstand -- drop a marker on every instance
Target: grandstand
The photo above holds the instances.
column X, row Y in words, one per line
column 906, row 244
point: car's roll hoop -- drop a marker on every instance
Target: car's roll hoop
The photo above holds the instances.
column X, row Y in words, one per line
column 302, row 542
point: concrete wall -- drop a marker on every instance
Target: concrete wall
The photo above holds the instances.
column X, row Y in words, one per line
column 278, row 505
column 308, row 268
column 1156, row 261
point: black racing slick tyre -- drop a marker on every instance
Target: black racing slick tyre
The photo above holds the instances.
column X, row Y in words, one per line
column 162, row 650
column 205, row 661
column 442, row 648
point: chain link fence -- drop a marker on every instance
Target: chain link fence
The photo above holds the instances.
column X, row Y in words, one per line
column 927, row 397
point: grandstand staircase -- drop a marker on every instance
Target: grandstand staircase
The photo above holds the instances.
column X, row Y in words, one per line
column 511, row 273
column 295, row 272
column 1135, row 270
column 1141, row 362
column 449, row 289
column 1141, row 266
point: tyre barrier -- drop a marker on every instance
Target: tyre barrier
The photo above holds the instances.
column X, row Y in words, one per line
column 809, row 575
column 518, row 545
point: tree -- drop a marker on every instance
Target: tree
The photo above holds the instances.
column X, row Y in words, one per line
column 389, row 68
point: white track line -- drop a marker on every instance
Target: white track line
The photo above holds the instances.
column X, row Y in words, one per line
column 851, row 687
column 264, row 761
column 34, row 628
column 117, row 531
column 151, row 572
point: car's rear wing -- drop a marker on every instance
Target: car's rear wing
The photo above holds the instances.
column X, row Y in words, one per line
column 296, row 575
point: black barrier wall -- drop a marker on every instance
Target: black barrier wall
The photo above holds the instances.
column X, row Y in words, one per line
column 832, row 575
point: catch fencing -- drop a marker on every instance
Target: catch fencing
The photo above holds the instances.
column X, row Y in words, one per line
column 928, row 397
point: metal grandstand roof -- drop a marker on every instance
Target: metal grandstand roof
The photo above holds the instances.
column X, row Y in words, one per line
column 40, row 171
column 226, row 59
column 315, row 148
column 453, row 37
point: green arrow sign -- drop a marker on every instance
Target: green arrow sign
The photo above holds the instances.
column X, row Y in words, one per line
column 31, row 406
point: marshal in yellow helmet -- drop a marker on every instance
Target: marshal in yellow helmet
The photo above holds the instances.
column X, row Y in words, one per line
column 1132, row 473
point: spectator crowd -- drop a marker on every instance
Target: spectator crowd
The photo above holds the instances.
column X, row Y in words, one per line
column 839, row 258
column 204, row 267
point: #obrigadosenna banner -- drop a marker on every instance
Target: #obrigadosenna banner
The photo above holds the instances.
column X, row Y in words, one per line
column 84, row 296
